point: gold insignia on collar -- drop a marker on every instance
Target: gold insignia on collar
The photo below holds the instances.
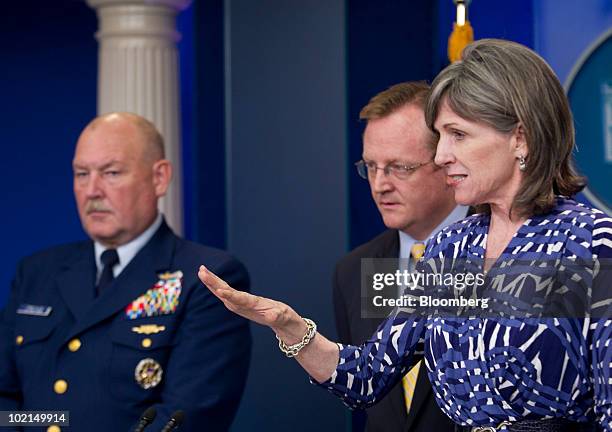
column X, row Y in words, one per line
column 148, row 329
column 174, row 275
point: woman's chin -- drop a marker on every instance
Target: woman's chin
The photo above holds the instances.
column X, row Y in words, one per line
column 465, row 199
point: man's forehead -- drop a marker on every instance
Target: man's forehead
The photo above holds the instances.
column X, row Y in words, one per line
column 387, row 147
column 107, row 143
column 98, row 162
column 409, row 157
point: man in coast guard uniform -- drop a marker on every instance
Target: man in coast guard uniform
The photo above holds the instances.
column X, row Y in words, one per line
column 106, row 328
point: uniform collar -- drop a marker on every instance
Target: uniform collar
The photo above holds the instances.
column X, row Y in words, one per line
column 129, row 250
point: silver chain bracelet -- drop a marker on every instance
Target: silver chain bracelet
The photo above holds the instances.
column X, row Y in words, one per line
column 293, row 350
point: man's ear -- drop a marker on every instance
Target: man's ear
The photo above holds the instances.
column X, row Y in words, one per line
column 162, row 175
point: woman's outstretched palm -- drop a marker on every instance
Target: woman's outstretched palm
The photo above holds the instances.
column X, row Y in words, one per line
column 258, row 309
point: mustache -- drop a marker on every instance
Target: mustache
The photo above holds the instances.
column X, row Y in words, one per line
column 96, row 206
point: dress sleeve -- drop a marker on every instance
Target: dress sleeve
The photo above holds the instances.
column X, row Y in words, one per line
column 601, row 326
column 366, row 373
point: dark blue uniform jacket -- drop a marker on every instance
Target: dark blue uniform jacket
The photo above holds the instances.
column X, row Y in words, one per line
column 63, row 348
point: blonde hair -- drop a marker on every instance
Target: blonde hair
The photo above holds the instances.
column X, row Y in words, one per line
column 395, row 97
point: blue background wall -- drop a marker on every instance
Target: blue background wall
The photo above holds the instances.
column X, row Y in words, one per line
column 285, row 145
column 48, row 88
column 271, row 91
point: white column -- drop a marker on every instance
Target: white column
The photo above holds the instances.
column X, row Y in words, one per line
column 138, row 72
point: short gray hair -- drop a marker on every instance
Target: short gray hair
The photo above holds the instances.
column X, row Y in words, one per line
column 504, row 84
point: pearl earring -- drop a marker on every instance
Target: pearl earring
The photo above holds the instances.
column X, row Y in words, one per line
column 522, row 163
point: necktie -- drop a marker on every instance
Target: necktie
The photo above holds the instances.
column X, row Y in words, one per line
column 417, row 250
column 410, row 379
column 409, row 383
column 109, row 259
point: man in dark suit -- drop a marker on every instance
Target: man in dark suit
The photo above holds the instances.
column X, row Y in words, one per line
column 108, row 327
column 414, row 202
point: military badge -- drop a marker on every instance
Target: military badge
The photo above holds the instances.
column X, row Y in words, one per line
column 148, row 329
column 35, row 310
column 162, row 299
column 171, row 275
column 148, row 373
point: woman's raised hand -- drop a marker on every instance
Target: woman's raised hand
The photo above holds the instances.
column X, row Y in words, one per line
column 319, row 358
column 258, row 309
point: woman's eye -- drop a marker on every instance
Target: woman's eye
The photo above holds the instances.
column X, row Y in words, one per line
column 458, row 135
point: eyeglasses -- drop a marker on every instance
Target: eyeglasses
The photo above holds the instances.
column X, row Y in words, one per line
column 399, row 171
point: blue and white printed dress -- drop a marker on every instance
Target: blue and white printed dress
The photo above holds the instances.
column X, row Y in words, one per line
column 488, row 370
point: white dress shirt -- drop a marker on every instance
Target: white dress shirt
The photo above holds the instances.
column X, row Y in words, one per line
column 406, row 242
column 127, row 251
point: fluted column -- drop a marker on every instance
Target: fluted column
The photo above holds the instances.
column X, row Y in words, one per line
column 138, row 72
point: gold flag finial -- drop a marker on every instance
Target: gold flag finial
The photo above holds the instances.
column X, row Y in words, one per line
column 462, row 34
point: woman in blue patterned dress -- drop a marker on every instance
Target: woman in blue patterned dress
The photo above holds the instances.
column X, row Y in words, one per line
column 505, row 139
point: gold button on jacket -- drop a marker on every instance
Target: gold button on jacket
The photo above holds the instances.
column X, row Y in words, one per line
column 74, row 345
column 60, row 386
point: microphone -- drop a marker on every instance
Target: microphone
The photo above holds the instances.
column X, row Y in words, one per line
column 146, row 419
column 175, row 421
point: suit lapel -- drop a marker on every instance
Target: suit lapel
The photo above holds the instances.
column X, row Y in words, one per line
column 76, row 280
column 389, row 248
column 389, row 245
column 385, row 246
column 139, row 276
column 422, row 391
column 398, row 405
column 422, row 388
